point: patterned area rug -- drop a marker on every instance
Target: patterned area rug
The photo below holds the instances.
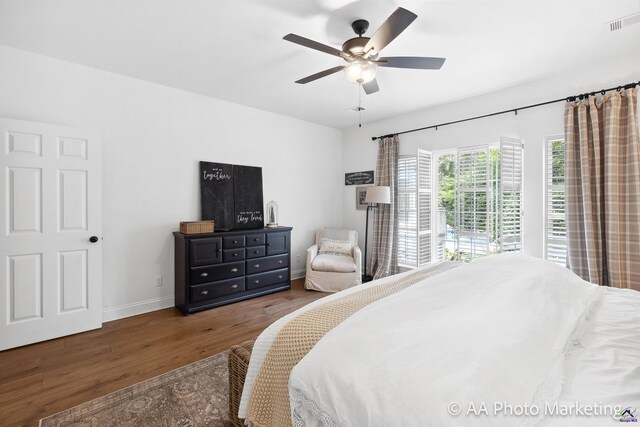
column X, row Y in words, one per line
column 194, row 395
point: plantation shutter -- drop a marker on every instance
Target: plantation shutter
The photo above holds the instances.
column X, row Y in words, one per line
column 407, row 211
column 555, row 220
column 510, row 196
column 425, row 184
column 441, row 238
column 473, row 200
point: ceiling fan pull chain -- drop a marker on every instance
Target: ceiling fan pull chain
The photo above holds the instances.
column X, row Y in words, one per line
column 360, row 105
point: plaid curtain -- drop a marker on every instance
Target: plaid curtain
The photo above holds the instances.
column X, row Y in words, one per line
column 603, row 189
column 384, row 257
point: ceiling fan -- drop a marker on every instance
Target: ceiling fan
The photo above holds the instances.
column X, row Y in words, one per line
column 361, row 53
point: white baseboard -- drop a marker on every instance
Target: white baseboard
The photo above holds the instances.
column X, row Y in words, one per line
column 128, row 310
column 133, row 309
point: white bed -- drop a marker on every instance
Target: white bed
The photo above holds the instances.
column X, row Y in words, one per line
column 509, row 331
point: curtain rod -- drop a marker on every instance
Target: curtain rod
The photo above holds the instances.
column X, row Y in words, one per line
column 514, row 110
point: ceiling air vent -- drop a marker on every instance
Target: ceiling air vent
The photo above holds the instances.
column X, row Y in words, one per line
column 620, row 23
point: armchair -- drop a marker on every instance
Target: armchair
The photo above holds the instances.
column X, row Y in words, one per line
column 331, row 271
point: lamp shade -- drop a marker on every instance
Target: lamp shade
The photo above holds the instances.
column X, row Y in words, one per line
column 378, row 194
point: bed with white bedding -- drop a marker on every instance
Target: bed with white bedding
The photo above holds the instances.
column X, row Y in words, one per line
column 500, row 336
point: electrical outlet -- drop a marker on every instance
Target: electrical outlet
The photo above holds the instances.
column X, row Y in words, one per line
column 158, row 281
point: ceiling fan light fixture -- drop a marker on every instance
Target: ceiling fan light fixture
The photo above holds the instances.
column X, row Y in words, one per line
column 361, row 71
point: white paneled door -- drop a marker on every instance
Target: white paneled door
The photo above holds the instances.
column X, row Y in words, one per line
column 51, row 250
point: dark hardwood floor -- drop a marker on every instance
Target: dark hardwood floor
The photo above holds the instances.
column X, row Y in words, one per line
column 41, row 379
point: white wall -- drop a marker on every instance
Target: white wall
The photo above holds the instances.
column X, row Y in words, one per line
column 153, row 138
column 359, row 152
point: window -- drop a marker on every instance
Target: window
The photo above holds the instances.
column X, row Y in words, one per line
column 446, row 199
column 414, row 209
column 473, row 211
column 480, row 200
column 555, row 245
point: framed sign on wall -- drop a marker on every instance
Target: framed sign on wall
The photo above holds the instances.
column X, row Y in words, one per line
column 358, row 178
column 231, row 195
column 361, row 194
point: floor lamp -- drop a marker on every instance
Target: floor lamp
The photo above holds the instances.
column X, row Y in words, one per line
column 375, row 195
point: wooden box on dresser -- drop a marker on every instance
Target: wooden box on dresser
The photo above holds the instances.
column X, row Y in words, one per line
column 219, row 268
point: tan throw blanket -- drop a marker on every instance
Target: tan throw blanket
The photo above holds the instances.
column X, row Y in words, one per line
column 269, row 404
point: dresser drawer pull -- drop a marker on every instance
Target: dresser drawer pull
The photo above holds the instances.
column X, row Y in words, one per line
column 233, row 270
column 204, row 274
column 256, row 252
column 280, row 276
column 235, row 241
column 256, row 266
column 268, row 244
column 235, row 254
column 204, row 292
column 279, row 261
column 234, row 286
column 256, row 282
column 256, row 240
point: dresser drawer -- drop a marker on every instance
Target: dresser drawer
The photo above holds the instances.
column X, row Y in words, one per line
column 229, row 255
column 233, row 242
column 255, row 252
column 255, row 239
column 206, row 251
column 216, row 272
column 268, row 263
column 265, row 279
column 216, row 289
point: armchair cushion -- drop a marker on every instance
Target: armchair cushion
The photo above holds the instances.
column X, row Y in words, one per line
column 334, row 261
column 336, row 247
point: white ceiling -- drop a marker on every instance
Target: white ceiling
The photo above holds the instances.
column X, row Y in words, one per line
column 233, row 49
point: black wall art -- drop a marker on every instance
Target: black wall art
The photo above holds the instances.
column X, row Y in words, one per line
column 231, row 195
column 358, row 178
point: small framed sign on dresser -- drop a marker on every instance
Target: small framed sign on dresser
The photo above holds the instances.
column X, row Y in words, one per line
column 213, row 269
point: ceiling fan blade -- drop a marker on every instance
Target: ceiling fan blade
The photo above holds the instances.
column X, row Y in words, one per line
column 415, row 62
column 302, row 41
column 389, row 30
column 319, row 75
column 371, row 87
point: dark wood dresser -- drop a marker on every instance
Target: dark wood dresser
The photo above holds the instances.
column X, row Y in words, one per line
column 219, row 268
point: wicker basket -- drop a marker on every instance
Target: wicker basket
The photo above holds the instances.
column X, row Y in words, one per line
column 196, row 227
column 239, row 356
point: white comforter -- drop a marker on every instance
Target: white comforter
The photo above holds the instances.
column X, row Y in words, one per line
column 496, row 330
column 605, row 367
column 265, row 339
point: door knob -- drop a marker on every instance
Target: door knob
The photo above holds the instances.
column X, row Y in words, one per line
column 93, row 239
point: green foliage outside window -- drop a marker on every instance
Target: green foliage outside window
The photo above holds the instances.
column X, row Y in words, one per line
column 482, row 214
